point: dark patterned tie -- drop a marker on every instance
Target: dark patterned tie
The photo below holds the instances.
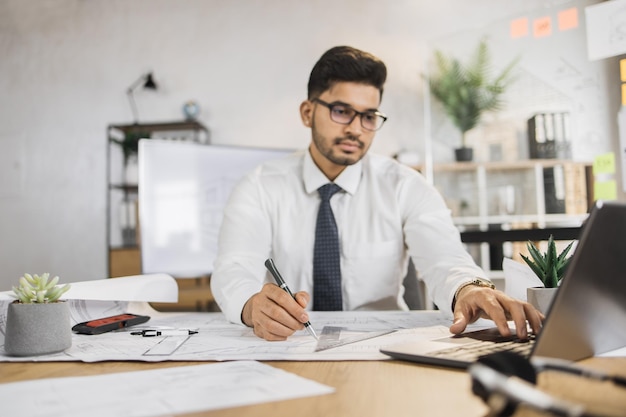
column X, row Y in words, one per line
column 326, row 264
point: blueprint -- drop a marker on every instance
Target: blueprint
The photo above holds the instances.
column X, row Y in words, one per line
column 219, row 340
column 346, row 335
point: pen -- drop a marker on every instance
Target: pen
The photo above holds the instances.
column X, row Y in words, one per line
column 269, row 264
column 152, row 333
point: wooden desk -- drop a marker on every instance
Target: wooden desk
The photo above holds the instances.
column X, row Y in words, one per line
column 366, row 388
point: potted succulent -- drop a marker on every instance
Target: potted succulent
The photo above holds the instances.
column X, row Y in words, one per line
column 38, row 322
column 550, row 268
column 468, row 90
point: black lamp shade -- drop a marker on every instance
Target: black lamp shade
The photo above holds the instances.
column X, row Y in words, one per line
column 149, row 83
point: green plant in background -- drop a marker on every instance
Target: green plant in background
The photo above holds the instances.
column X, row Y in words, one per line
column 548, row 266
column 130, row 143
column 466, row 91
column 39, row 289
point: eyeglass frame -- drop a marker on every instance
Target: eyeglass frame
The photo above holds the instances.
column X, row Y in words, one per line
column 330, row 107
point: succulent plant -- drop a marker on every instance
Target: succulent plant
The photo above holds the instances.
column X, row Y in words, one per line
column 548, row 266
column 39, row 289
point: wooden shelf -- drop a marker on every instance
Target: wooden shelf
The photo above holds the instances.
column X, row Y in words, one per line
column 160, row 126
column 501, row 165
column 129, row 188
column 489, row 199
column 548, row 219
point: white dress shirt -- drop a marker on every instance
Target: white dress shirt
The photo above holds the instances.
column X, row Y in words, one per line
column 385, row 213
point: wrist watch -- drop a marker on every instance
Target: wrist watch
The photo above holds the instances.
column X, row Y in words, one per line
column 478, row 282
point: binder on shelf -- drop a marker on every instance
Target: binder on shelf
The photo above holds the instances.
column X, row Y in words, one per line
column 562, row 135
column 554, row 189
column 548, row 136
column 565, row 188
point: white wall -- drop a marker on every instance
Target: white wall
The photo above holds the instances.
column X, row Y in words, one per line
column 65, row 65
column 552, row 74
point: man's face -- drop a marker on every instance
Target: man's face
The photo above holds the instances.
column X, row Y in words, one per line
column 334, row 145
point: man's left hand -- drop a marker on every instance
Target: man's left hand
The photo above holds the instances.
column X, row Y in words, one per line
column 475, row 302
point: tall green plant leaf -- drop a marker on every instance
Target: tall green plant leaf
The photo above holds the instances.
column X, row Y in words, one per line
column 467, row 91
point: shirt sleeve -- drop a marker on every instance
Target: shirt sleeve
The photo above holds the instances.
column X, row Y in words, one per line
column 244, row 244
column 434, row 243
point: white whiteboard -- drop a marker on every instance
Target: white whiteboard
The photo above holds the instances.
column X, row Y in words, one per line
column 183, row 188
column 605, row 29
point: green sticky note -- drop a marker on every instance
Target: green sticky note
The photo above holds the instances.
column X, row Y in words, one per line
column 604, row 164
column 605, row 190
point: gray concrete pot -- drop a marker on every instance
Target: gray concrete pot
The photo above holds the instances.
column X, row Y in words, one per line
column 541, row 297
column 37, row 329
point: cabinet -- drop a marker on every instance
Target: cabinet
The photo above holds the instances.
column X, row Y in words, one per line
column 124, row 261
column 528, row 194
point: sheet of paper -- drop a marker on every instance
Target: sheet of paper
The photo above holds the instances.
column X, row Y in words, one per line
column 177, row 390
column 518, row 277
column 617, row 353
column 219, row 340
column 152, row 287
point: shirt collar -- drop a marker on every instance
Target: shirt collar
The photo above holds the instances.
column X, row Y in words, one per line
column 314, row 178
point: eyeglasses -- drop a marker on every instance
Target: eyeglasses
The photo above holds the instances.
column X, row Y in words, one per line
column 344, row 114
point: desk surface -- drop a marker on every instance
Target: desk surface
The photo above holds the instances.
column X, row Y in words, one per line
column 367, row 388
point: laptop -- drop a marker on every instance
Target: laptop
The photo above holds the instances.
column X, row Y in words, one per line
column 586, row 318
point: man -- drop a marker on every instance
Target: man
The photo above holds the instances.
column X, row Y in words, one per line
column 383, row 213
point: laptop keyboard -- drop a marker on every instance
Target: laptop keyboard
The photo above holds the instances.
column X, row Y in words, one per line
column 470, row 352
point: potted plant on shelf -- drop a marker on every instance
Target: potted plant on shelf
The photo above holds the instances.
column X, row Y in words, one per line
column 38, row 322
column 130, row 143
column 130, row 149
column 467, row 91
column 550, row 268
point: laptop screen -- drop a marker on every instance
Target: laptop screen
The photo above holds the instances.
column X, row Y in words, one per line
column 588, row 314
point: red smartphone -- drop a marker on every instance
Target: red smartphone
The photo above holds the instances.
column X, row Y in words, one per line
column 108, row 324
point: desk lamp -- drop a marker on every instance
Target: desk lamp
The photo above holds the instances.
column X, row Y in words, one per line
column 145, row 81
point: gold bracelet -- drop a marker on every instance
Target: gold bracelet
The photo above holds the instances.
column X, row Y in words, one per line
column 478, row 282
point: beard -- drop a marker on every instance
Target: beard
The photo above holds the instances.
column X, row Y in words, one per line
column 336, row 155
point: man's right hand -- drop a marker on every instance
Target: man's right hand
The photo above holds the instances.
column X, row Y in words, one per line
column 274, row 314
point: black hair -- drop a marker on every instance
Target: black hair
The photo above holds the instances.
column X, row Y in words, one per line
column 344, row 63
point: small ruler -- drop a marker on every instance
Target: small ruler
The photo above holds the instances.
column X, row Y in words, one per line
column 167, row 346
column 331, row 337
